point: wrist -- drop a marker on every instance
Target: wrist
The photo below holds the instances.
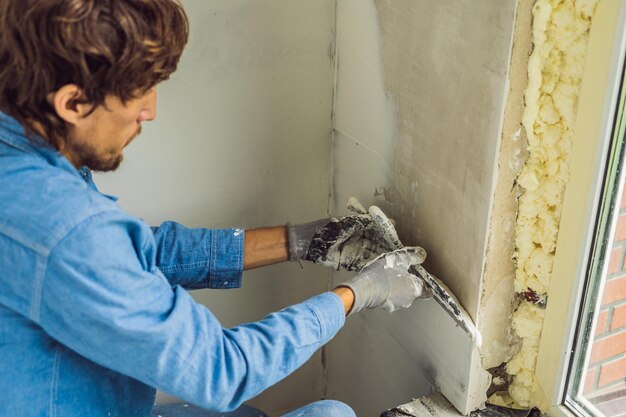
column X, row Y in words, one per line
column 347, row 298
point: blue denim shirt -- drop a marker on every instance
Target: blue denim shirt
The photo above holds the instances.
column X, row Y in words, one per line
column 93, row 311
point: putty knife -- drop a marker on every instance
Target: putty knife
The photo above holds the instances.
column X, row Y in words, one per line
column 441, row 293
column 443, row 296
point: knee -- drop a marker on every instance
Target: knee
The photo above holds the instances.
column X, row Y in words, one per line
column 332, row 408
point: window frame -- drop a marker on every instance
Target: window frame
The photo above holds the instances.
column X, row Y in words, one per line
column 595, row 277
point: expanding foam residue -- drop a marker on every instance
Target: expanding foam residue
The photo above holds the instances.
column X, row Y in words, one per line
column 555, row 69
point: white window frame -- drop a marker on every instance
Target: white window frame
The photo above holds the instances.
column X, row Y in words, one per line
column 588, row 159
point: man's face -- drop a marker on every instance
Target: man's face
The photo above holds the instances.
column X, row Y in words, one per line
column 100, row 138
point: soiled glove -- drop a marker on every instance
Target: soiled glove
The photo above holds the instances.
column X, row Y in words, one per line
column 300, row 236
column 387, row 283
column 347, row 242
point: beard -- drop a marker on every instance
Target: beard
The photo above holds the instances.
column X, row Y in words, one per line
column 99, row 161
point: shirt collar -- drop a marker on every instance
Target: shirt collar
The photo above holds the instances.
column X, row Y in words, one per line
column 12, row 133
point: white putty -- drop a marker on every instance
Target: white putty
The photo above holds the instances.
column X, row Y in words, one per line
column 560, row 33
column 355, row 206
column 497, row 311
column 498, row 381
column 433, row 406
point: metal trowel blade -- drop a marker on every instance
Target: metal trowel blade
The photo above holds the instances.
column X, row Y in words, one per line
column 445, row 298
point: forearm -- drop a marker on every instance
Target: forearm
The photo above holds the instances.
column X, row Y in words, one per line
column 265, row 246
column 346, row 295
column 183, row 254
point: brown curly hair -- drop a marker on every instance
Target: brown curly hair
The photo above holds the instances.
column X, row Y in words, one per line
column 106, row 47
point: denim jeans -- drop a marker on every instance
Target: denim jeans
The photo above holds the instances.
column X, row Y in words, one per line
column 325, row 408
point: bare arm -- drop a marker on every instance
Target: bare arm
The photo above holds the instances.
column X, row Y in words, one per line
column 265, row 246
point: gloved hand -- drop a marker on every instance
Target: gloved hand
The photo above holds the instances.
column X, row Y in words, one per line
column 386, row 282
column 347, row 242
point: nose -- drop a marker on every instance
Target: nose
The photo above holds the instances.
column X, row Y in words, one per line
column 148, row 112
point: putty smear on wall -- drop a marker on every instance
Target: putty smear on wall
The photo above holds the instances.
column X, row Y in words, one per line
column 555, row 69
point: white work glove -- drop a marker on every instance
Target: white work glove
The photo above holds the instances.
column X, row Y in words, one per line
column 387, row 283
column 347, row 242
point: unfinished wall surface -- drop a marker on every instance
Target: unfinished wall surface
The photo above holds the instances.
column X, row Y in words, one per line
column 496, row 304
column 242, row 138
column 421, row 88
column 446, row 67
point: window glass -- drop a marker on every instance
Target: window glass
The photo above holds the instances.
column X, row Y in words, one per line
column 597, row 385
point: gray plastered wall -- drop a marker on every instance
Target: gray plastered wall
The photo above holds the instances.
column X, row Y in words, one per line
column 245, row 138
column 419, row 107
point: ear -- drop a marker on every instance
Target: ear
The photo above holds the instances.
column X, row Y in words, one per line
column 67, row 104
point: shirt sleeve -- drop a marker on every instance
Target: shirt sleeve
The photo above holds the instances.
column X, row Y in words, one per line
column 200, row 258
column 125, row 315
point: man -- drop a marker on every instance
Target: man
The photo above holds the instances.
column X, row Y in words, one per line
column 93, row 314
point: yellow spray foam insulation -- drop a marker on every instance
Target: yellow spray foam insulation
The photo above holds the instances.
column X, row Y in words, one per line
column 555, row 68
